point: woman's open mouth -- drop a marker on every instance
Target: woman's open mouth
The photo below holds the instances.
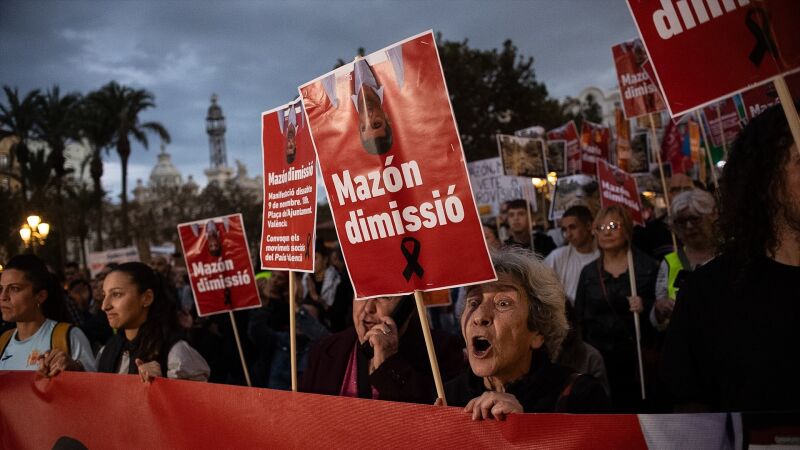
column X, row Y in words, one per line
column 480, row 346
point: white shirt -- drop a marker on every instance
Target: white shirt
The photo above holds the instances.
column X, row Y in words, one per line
column 183, row 361
column 568, row 263
column 23, row 354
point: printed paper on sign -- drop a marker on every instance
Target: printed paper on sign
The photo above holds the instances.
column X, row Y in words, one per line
column 574, row 190
column 569, row 133
column 595, row 139
column 290, row 190
column 640, row 94
column 618, row 187
column 219, row 264
column 522, row 156
column 556, row 151
column 491, row 187
column 395, row 172
column 702, row 51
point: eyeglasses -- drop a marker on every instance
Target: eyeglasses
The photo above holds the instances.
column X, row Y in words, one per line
column 611, row 226
column 686, row 220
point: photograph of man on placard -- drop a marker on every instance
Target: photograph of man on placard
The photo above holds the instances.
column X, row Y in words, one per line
column 557, row 156
column 374, row 123
column 289, row 121
column 640, row 154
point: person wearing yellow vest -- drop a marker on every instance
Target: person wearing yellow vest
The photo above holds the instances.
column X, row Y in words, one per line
column 693, row 216
column 31, row 298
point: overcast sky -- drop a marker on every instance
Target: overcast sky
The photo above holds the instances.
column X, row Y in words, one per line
column 254, row 54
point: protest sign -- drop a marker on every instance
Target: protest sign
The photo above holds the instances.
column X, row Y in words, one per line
column 98, row 260
column 569, row 133
column 574, row 190
column 398, row 188
column 219, row 265
column 556, row 152
column 727, row 45
column 522, row 156
column 535, row 131
column 594, row 146
column 618, row 187
column 723, row 121
column 290, row 190
column 438, row 298
column 759, row 98
column 640, row 95
column 491, row 187
column 640, row 154
column 623, row 140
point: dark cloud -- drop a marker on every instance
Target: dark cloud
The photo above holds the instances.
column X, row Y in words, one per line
column 254, row 54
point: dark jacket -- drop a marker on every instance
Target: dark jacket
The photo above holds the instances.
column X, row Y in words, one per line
column 544, row 389
column 405, row 376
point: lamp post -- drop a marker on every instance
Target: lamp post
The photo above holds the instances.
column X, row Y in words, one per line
column 34, row 232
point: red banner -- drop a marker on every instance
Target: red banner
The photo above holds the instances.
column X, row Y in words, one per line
column 119, row 411
column 569, row 133
column 618, row 187
column 290, row 190
column 707, row 50
column 595, row 140
column 640, row 94
column 219, row 264
column 395, row 172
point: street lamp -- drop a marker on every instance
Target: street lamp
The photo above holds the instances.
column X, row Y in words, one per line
column 34, row 232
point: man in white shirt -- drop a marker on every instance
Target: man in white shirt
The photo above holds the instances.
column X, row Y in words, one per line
column 568, row 261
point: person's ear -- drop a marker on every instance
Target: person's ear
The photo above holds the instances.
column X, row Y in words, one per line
column 148, row 298
column 41, row 297
column 537, row 340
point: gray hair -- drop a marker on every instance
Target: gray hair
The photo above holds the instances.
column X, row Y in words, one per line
column 544, row 292
column 696, row 201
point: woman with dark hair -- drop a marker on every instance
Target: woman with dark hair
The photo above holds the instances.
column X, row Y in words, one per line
column 147, row 340
column 31, row 297
column 604, row 304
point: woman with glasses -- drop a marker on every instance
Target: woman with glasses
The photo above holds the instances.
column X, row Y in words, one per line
column 605, row 307
column 694, row 214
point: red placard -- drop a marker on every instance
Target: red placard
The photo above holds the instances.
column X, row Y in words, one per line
column 595, row 139
column 569, row 133
column 219, row 264
column 618, row 187
column 759, row 98
column 640, row 94
column 397, row 182
column 290, row 190
column 722, row 116
column 703, row 51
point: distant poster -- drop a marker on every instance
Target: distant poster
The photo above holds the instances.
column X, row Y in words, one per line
column 595, row 140
column 640, row 153
column 618, row 187
column 522, row 157
column 492, row 187
column 98, row 260
column 759, row 98
column 723, row 117
column 640, row 94
column 569, row 133
column 557, row 157
column 290, row 190
column 219, row 265
column 623, row 146
column 535, row 131
column 574, row 190
column 395, row 172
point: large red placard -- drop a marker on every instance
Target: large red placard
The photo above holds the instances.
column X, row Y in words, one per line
column 290, row 190
column 640, row 94
column 395, row 172
column 219, row 264
column 704, row 50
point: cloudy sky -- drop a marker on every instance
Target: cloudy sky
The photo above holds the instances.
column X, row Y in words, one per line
column 254, row 54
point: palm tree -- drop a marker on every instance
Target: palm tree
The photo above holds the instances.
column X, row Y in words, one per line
column 122, row 105
column 17, row 120
column 97, row 129
column 56, row 124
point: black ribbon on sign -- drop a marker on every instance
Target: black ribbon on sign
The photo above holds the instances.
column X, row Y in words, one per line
column 412, row 258
column 763, row 34
column 308, row 244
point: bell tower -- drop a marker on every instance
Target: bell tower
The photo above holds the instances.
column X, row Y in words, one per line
column 218, row 171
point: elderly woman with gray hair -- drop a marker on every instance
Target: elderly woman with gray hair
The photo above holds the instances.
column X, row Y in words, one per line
column 694, row 214
column 513, row 328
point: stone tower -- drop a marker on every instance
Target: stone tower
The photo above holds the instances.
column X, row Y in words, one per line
column 218, row 171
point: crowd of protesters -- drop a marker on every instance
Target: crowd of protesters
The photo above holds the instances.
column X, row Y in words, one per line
column 554, row 333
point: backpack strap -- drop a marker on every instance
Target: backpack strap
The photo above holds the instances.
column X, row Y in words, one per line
column 5, row 338
column 59, row 339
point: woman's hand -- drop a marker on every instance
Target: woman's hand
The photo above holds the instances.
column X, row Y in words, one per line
column 55, row 361
column 664, row 308
column 636, row 304
column 384, row 340
column 493, row 405
column 148, row 370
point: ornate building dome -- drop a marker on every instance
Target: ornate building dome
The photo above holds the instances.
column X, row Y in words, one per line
column 164, row 174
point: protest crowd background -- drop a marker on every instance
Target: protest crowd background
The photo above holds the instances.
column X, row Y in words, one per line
column 644, row 264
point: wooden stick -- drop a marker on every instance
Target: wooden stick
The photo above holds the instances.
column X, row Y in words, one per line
column 657, row 151
column 707, row 150
column 426, row 331
column 239, row 346
column 292, row 332
column 530, row 217
column 787, row 103
column 632, row 278
column 722, row 134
